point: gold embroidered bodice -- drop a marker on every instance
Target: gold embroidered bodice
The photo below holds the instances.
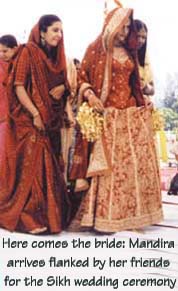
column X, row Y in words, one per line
column 120, row 90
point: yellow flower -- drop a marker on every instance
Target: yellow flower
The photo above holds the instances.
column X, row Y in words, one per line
column 158, row 120
column 91, row 122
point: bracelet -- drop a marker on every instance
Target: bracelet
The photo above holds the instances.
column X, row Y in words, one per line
column 89, row 93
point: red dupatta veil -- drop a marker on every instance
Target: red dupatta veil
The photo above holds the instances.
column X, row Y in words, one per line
column 96, row 72
column 97, row 59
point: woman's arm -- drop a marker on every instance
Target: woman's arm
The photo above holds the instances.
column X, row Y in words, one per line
column 85, row 87
column 57, row 92
column 70, row 114
column 93, row 100
column 148, row 78
column 28, row 104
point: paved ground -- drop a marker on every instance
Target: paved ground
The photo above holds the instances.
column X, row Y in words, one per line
column 165, row 231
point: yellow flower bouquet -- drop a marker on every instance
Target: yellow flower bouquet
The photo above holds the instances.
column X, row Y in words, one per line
column 91, row 122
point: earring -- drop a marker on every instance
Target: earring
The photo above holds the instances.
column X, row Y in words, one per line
column 43, row 42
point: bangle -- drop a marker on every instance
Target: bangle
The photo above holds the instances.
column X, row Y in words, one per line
column 89, row 93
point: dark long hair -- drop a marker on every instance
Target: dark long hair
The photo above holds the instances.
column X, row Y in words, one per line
column 44, row 22
column 142, row 51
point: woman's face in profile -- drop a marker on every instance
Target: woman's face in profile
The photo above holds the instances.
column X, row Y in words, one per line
column 6, row 53
column 121, row 36
column 53, row 34
column 141, row 38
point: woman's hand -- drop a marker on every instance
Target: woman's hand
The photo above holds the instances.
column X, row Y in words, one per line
column 38, row 123
column 148, row 102
column 94, row 101
column 70, row 114
column 148, row 89
column 142, row 84
column 71, row 118
column 27, row 103
column 57, row 92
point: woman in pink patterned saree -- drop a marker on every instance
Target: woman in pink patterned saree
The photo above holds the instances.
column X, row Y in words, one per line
column 124, row 192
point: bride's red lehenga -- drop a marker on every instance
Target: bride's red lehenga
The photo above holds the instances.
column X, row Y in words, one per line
column 125, row 187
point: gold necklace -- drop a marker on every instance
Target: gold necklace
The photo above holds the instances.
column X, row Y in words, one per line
column 120, row 54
